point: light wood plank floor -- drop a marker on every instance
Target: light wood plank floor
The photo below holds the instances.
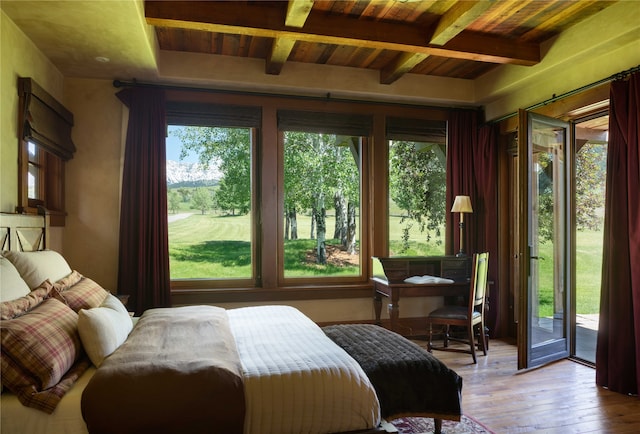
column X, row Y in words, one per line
column 558, row 398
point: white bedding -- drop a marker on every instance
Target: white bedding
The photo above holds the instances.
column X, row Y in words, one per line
column 294, row 371
column 18, row 419
column 291, row 370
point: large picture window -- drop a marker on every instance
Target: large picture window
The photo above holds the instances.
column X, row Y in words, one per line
column 323, row 158
column 417, row 186
column 210, row 202
column 284, row 199
column 322, row 205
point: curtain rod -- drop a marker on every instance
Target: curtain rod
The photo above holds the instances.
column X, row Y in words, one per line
column 554, row 98
column 327, row 97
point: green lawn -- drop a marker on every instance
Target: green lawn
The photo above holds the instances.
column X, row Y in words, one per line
column 211, row 245
column 588, row 271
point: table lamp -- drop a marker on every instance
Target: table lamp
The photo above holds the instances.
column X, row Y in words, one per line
column 462, row 204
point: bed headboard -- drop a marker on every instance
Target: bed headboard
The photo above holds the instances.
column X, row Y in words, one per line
column 24, row 232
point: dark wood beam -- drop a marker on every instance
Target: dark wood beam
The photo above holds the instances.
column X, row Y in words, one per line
column 451, row 24
column 280, row 50
column 297, row 13
column 404, row 63
column 260, row 20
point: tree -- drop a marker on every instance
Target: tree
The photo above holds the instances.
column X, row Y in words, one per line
column 319, row 167
column 230, row 149
column 185, row 193
column 591, row 161
column 417, row 185
column 174, row 201
column 202, row 199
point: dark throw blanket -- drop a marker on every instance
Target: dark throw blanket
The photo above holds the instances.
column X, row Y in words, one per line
column 407, row 378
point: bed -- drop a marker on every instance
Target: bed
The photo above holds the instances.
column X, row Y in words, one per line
column 196, row 369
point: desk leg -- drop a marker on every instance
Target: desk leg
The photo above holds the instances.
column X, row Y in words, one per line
column 394, row 310
column 377, row 305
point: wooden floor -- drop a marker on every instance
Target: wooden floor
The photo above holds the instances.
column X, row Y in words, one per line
column 558, row 398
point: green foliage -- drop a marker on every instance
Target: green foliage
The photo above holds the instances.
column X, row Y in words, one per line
column 173, row 201
column 591, row 162
column 230, row 149
column 202, row 199
column 318, row 167
column 417, row 185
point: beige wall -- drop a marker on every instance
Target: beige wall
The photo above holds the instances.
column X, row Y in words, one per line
column 93, row 180
column 19, row 58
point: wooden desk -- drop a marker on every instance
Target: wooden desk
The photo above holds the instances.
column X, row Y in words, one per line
column 382, row 287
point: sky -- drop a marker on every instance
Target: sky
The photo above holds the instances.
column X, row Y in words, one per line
column 174, row 146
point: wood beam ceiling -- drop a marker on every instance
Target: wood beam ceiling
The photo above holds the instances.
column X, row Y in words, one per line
column 447, row 38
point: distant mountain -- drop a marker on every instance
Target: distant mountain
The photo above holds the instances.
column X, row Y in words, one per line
column 191, row 174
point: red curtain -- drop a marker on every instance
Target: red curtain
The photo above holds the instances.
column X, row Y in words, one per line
column 618, row 349
column 463, row 133
column 143, row 270
column 485, row 214
column 472, row 170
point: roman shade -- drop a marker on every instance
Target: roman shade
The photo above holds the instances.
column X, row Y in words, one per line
column 207, row 115
column 44, row 120
column 329, row 123
column 416, row 130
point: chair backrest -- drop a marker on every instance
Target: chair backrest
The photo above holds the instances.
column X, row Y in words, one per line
column 479, row 281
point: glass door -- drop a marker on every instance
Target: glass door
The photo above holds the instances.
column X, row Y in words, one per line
column 591, row 136
column 543, row 327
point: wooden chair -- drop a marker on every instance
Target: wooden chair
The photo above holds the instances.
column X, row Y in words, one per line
column 471, row 316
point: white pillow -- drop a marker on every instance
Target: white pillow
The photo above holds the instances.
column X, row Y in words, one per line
column 11, row 284
column 103, row 329
column 36, row 267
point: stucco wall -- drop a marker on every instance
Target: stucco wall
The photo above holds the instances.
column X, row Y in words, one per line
column 20, row 58
column 93, row 180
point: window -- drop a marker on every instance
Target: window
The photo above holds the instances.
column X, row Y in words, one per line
column 45, row 144
column 417, row 186
column 210, row 202
column 321, row 205
column 211, row 195
column 323, row 154
column 296, row 190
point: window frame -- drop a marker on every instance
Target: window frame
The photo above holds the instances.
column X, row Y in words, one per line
column 269, row 201
column 364, row 240
column 254, row 280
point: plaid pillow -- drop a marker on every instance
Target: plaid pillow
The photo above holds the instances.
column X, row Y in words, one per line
column 14, row 308
column 38, row 349
column 68, row 281
column 83, row 294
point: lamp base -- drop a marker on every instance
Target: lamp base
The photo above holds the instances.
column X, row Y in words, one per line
column 460, row 254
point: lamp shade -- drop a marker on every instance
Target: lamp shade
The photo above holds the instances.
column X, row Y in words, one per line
column 462, row 204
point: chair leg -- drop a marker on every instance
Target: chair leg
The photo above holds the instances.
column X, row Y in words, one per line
column 429, row 347
column 472, row 343
column 482, row 336
column 446, row 336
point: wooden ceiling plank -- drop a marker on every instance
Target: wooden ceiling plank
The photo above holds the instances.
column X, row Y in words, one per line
column 261, row 21
column 557, row 19
column 404, row 63
column 297, row 12
column 456, row 19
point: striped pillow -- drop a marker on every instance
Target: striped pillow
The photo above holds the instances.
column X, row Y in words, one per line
column 38, row 349
column 81, row 293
